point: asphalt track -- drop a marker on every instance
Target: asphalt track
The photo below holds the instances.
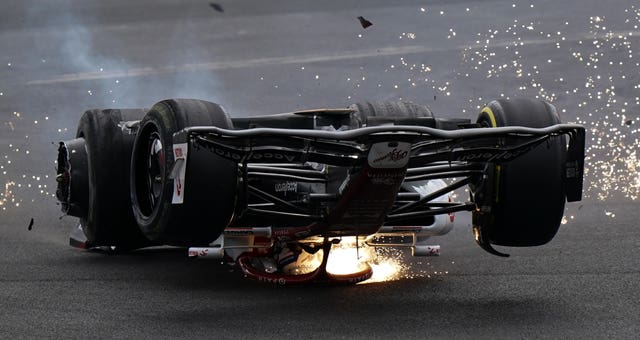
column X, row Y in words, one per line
column 61, row 57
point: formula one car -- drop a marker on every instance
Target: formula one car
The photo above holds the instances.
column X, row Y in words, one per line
column 265, row 192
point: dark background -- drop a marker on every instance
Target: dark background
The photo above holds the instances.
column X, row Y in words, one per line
column 61, row 57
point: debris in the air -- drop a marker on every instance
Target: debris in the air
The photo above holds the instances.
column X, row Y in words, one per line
column 216, row 6
column 30, row 224
column 364, row 22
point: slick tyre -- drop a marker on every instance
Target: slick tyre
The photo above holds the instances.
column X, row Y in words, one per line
column 107, row 219
column 522, row 202
column 210, row 182
column 373, row 113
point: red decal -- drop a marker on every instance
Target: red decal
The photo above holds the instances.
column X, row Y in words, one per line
column 178, row 187
column 394, row 155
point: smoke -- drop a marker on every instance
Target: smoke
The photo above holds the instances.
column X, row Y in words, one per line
column 68, row 57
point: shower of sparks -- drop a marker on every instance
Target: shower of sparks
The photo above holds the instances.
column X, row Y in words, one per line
column 593, row 78
column 7, row 196
column 346, row 258
column 599, row 62
column 387, row 263
column 18, row 184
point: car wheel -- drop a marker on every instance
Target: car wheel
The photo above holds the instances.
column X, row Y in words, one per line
column 98, row 183
column 370, row 112
column 210, row 181
column 521, row 202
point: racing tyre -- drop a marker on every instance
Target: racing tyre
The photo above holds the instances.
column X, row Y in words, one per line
column 374, row 113
column 210, row 181
column 101, row 180
column 522, row 201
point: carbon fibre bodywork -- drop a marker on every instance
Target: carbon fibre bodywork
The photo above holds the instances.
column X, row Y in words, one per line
column 290, row 155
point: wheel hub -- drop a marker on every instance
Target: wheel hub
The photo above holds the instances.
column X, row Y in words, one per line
column 155, row 169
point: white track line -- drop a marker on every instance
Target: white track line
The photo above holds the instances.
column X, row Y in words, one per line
column 303, row 59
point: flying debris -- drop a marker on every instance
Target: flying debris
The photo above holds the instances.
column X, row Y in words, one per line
column 217, row 7
column 364, row 22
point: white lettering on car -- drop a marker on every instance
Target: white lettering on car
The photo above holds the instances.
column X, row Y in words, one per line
column 253, row 156
column 286, row 187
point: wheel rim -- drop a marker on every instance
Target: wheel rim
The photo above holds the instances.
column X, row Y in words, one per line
column 155, row 170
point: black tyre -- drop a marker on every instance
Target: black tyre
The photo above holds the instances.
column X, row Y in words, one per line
column 106, row 217
column 522, row 201
column 210, row 183
column 371, row 114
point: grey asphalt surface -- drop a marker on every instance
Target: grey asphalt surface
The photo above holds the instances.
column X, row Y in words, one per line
column 61, row 57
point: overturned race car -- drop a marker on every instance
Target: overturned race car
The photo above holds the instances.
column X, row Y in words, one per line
column 275, row 193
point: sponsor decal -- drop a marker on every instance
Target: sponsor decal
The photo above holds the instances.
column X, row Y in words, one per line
column 198, row 252
column 286, row 187
column 288, row 233
column 280, row 232
column 432, row 251
column 270, row 156
column 227, row 154
column 180, row 152
column 388, row 178
column 277, row 280
column 238, row 232
column 253, row 156
column 476, row 156
column 389, row 155
column 394, row 155
column 495, row 156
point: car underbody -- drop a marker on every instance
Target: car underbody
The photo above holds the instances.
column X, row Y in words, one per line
column 275, row 194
